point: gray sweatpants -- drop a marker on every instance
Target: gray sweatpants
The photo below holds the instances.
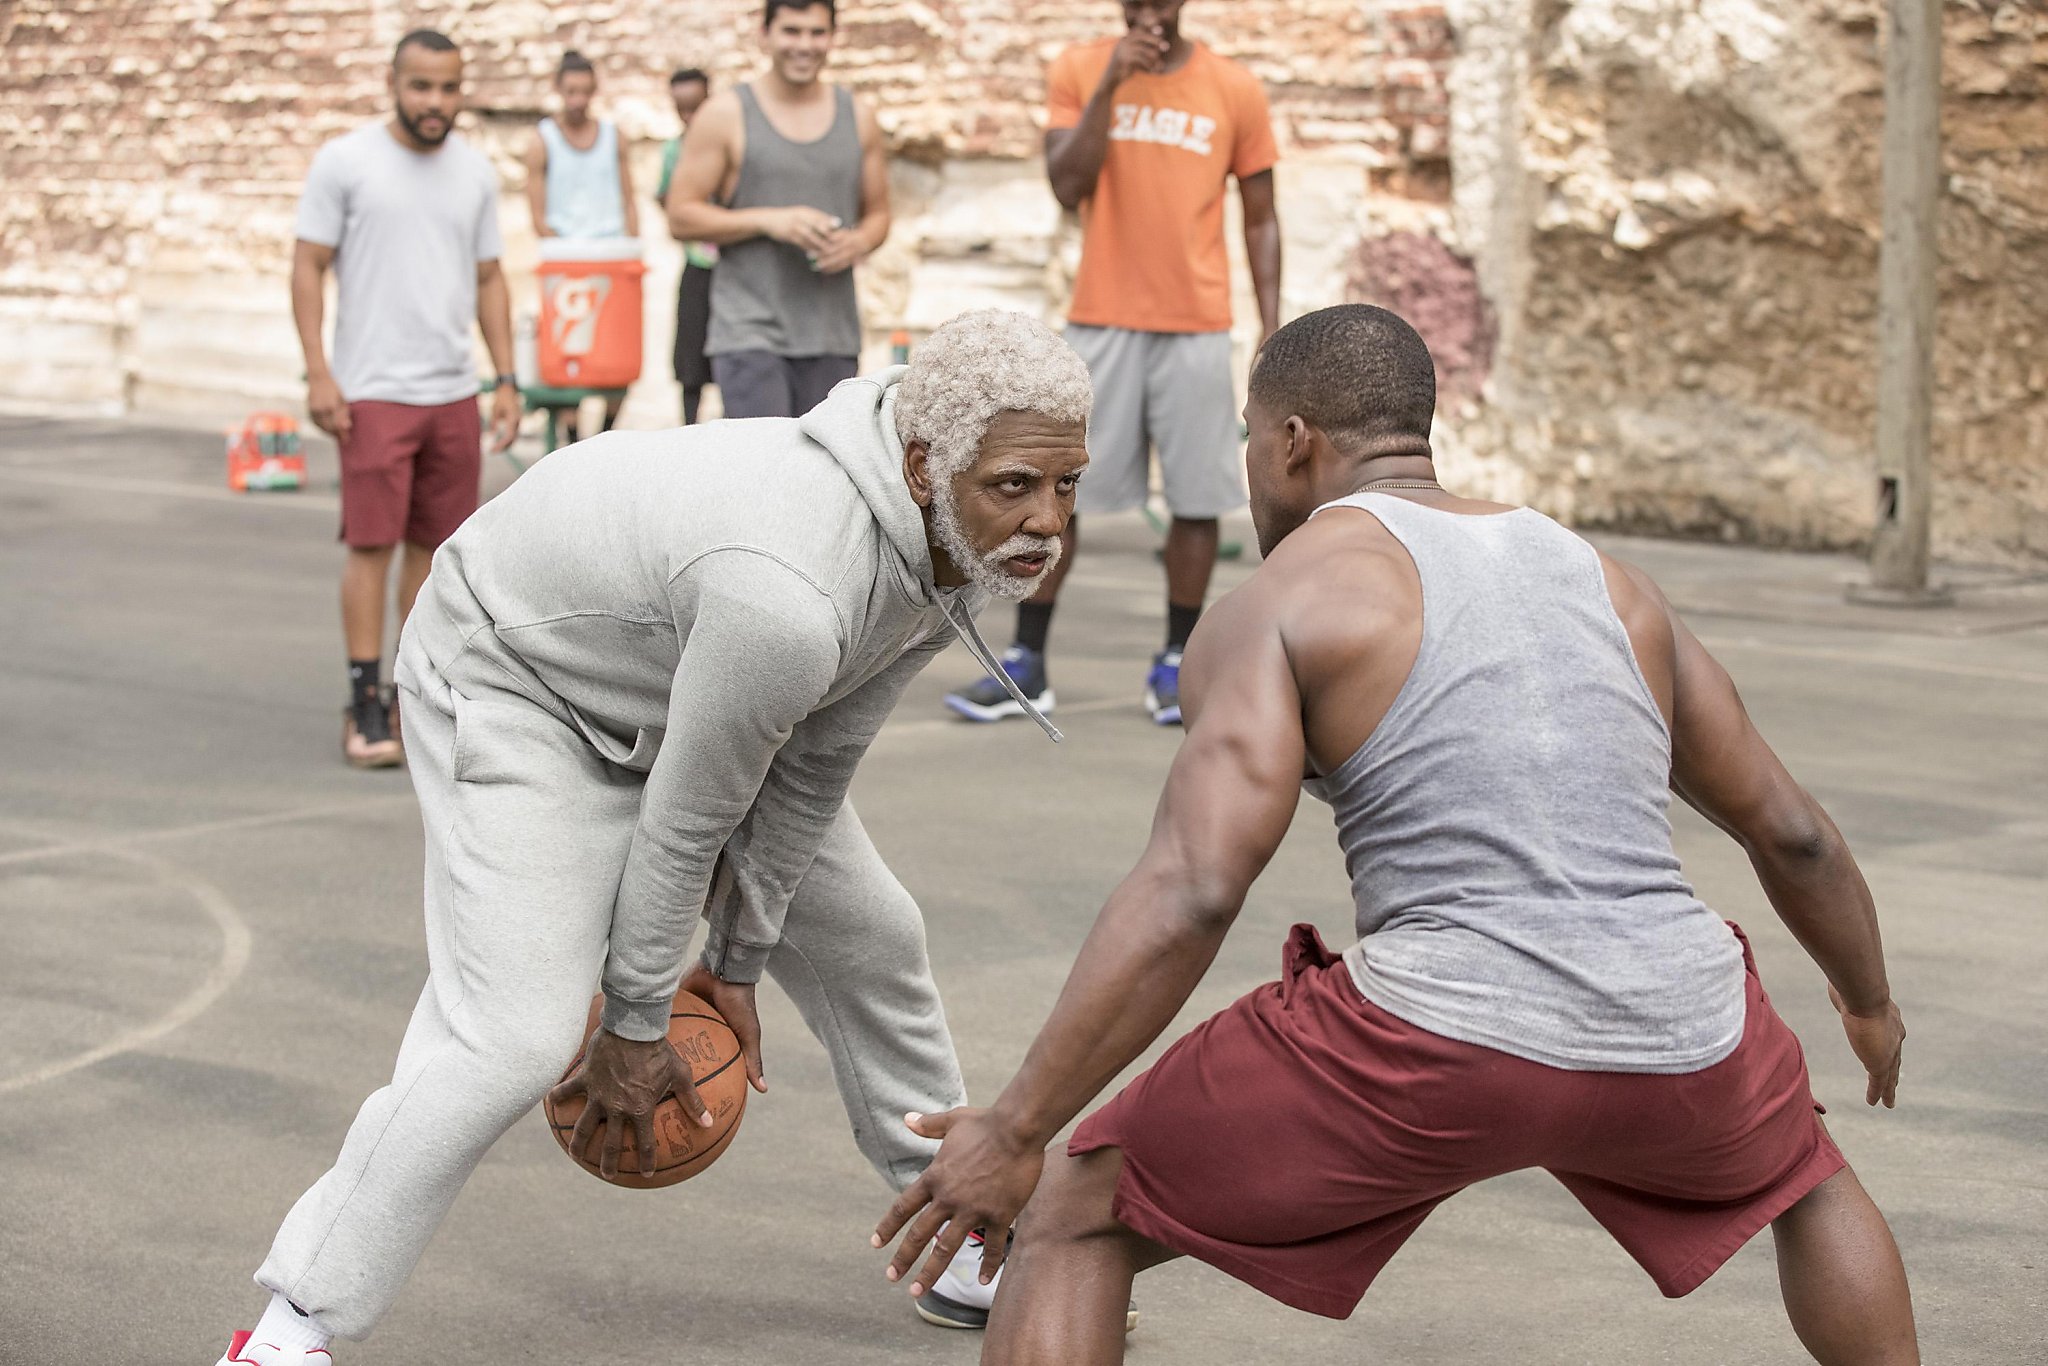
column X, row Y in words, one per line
column 527, row 831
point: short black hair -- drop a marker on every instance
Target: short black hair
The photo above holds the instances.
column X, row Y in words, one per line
column 432, row 39
column 573, row 61
column 775, row 7
column 1357, row 372
column 683, row 75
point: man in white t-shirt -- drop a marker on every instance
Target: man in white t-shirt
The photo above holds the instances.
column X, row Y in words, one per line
column 406, row 214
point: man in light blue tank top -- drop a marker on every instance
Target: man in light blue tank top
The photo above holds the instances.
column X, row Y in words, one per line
column 578, row 181
column 1497, row 714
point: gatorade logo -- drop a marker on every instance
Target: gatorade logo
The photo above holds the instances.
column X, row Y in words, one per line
column 1163, row 127
column 575, row 301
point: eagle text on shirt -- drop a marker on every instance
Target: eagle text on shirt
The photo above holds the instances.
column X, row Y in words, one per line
column 1167, row 127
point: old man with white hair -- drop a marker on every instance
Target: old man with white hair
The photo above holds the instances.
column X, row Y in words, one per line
column 635, row 691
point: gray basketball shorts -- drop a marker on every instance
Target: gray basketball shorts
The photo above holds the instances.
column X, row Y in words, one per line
column 1169, row 390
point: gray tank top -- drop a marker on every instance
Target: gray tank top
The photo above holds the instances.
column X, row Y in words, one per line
column 1507, row 824
column 764, row 294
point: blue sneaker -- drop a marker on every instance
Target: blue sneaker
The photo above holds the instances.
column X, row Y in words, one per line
column 989, row 700
column 1162, row 687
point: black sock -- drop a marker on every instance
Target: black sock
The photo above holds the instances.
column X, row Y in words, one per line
column 692, row 399
column 363, row 680
column 1180, row 624
column 1034, row 624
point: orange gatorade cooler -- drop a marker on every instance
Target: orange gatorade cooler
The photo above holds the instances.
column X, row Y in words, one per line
column 590, row 312
column 266, row 454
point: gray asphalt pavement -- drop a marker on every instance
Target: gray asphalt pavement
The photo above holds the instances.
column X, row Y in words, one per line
column 210, row 938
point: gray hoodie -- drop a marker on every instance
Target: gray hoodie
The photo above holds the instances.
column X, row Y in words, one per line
column 731, row 609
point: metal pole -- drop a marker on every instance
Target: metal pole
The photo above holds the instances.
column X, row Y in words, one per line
column 1906, row 311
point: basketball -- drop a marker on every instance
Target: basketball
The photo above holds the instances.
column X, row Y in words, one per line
column 682, row 1149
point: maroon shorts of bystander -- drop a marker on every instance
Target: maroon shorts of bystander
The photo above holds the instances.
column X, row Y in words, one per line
column 409, row 472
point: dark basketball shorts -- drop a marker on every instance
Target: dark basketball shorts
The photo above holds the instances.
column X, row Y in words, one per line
column 1296, row 1139
column 409, row 472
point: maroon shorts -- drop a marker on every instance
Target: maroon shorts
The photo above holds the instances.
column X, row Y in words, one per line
column 409, row 472
column 1295, row 1140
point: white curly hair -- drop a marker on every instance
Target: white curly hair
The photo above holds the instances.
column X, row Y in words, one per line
column 980, row 364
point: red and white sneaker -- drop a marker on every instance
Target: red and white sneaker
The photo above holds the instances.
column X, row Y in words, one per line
column 243, row 1352
column 960, row 1300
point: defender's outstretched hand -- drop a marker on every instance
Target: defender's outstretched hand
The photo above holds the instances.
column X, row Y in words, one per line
column 1880, row 1044
column 980, row 1179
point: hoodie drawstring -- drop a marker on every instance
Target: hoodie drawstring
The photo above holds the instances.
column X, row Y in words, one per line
column 983, row 656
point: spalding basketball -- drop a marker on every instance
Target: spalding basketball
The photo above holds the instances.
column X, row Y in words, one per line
column 682, row 1147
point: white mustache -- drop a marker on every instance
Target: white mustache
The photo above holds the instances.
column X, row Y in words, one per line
column 1021, row 544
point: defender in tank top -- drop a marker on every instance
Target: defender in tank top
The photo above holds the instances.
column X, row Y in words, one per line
column 1497, row 714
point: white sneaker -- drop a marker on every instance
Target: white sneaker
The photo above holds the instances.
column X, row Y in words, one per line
column 243, row 1352
column 960, row 1300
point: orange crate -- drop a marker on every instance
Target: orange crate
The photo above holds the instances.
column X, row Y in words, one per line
column 266, row 454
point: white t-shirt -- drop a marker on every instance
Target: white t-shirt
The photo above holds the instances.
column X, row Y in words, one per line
column 408, row 230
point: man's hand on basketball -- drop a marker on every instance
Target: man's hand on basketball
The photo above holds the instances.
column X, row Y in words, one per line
column 808, row 230
column 1142, row 49
column 621, row 1082
column 735, row 1001
column 327, row 408
column 980, row 1179
column 1880, row 1044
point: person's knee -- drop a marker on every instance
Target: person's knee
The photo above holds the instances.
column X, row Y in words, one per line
column 877, row 934
column 526, row 1057
column 1075, row 1200
column 897, row 928
column 419, row 557
column 1840, row 1196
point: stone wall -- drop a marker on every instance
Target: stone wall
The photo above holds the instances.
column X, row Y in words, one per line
column 1641, row 235
column 1674, row 210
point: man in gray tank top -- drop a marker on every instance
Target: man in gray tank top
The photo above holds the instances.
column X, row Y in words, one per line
column 1497, row 714
column 789, row 178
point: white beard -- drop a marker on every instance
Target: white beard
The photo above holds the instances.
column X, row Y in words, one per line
column 985, row 571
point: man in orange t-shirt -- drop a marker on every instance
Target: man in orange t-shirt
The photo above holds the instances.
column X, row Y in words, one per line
column 1143, row 136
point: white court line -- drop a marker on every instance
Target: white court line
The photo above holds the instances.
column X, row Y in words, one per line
column 1932, row 666
column 114, row 843
column 233, row 958
column 302, row 500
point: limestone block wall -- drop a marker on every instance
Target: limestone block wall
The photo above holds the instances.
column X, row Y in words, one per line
column 1674, row 210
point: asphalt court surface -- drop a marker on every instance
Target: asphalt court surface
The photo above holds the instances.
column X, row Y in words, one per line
column 210, row 939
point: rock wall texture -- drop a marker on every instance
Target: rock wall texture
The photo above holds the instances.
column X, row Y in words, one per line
column 1641, row 235
column 1673, row 207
